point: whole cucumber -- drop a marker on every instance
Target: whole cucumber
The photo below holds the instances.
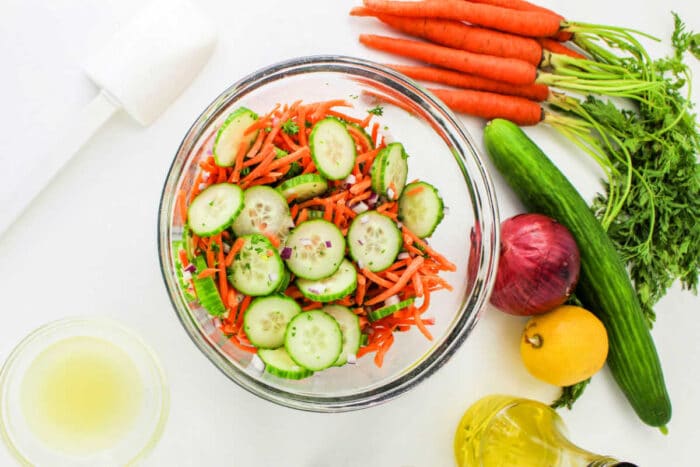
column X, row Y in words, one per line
column 604, row 286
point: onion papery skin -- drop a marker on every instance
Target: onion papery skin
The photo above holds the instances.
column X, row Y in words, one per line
column 538, row 267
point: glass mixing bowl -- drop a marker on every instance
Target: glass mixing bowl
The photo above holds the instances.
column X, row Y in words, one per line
column 441, row 152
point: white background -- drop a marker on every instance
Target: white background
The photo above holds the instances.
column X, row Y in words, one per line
column 88, row 246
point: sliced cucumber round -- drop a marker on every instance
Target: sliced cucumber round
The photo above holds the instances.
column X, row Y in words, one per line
column 231, row 134
column 383, row 312
column 374, row 241
column 332, row 148
column 318, row 248
column 266, row 319
column 206, row 290
column 257, row 268
column 350, row 328
column 421, row 208
column 265, row 210
column 390, row 167
column 278, row 363
column 303, row 187
column 334, row 287
column 313, row 340
column 286, row 279
column 214, row 209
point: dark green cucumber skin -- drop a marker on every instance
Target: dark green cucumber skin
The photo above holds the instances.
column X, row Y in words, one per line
column 604, row 287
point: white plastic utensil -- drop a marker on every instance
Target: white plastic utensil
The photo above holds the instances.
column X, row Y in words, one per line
column 142, row 69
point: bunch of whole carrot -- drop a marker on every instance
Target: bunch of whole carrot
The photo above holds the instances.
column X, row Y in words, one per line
column 502, row 55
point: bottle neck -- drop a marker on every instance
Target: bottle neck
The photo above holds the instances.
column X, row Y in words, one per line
column 604, row 461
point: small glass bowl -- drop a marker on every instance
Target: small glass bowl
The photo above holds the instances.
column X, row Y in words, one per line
column 140, row 438
column 440, row 152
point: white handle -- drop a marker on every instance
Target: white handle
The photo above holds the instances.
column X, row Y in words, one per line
column 91, row 118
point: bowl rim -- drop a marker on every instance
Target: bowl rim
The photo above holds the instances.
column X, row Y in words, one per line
column 485, row 204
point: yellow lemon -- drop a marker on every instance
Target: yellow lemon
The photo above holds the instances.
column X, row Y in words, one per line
column 564, row 346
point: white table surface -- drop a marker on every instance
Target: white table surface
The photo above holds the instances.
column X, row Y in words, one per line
column 87, row 245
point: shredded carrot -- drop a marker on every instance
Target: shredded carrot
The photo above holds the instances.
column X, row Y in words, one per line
column 238, row 164
column 376, row 279
column 184, row 260
column 396, row 288
column 360, row 187
column 208, row 272
column 361, row 289
column 237, row 245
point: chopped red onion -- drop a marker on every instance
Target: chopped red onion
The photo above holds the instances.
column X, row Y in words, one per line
column 360, row 242
column 328, row 244
column 205, row 175
column 286, row 253
column 393, row 300
column 350, row 179
column 360, row 265
column 352, row 358
column 403, row 255
column 372, row 200
column 186, row 275
column 390, row 193
column 399, row 225
column 202, row 186
column 315, row 291
column 227, row 247
column 190, row 268
column 360, row 207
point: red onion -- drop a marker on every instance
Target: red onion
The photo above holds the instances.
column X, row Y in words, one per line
column 286, row 253
column 372, row 200
column 191, row 268
column 538, row 267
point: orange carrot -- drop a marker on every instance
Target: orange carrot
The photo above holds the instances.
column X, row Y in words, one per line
column 458, row 35
column 237, row 245
column 421, row 325
column 417, row 284
column 523, row 23
column 360, row 187
column 184, row 260
column 235, row 341
column 274, row 239
column 208, row 272
column 255, row 147
column 491, row 105
column 522, row 5
column 361, row 289
column 559, row 48
column 508, row 70
column 376, row 279
column 398, row 286
column 238, row 164
column 536, row 92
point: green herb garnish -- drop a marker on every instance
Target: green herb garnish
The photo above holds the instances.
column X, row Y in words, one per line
column 290, row 127
column 377, row 110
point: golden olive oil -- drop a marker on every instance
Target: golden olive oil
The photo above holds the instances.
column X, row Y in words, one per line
column 81, row 394
column 512, row 432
